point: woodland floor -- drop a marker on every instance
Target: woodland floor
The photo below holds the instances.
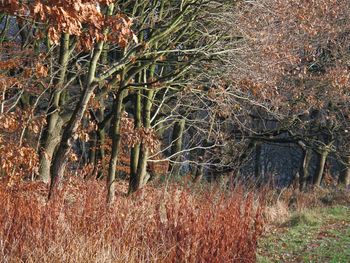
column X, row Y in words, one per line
column 313, row 235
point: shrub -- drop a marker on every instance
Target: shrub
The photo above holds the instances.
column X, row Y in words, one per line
column 153, row 225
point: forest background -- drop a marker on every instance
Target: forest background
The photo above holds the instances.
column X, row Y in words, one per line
column 165, row 124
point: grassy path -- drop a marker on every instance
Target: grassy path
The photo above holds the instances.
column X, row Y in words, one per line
column 318, row 235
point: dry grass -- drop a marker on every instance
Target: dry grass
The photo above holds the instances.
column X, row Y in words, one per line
column 277, row 213
column 154, row 225
column 281, row 204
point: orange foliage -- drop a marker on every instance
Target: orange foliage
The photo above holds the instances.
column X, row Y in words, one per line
column 153, row 226
column 18, row 161
column 83, row 19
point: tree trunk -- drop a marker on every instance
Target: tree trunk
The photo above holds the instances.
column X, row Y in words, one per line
column 100, row 160
column 141, row 177
column 52, row 139
column 344, row 178
column 176, row 147
column 198, row 175
column 116, row 139
column 322, row 157
column 304, row 168
column 60, row 159
column 93, row 149
column 103, row 122
column 135, row 151
column 51, row 134
column 101, row 141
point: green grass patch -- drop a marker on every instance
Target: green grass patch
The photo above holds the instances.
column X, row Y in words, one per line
column 317, row 235
column 305, row 218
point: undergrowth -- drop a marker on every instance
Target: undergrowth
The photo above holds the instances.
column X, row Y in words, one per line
column 308, row 226
column 312, row 235
column 153, row 225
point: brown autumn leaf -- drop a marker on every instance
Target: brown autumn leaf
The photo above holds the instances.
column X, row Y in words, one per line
column 53, row 35
column 41, row 70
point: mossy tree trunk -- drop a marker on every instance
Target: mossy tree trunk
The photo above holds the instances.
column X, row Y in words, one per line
column 176, row 148
column 141, row 179
column 322, row 155
column 135, row 151
column 304, row 168
column 52, row 133
column 116, row 140
column 61, row 156
column 100, row 151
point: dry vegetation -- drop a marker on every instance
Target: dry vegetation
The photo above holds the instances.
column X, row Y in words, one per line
column 97, row 92
column 281, row 204
column 306, row 226
column 171, row 224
